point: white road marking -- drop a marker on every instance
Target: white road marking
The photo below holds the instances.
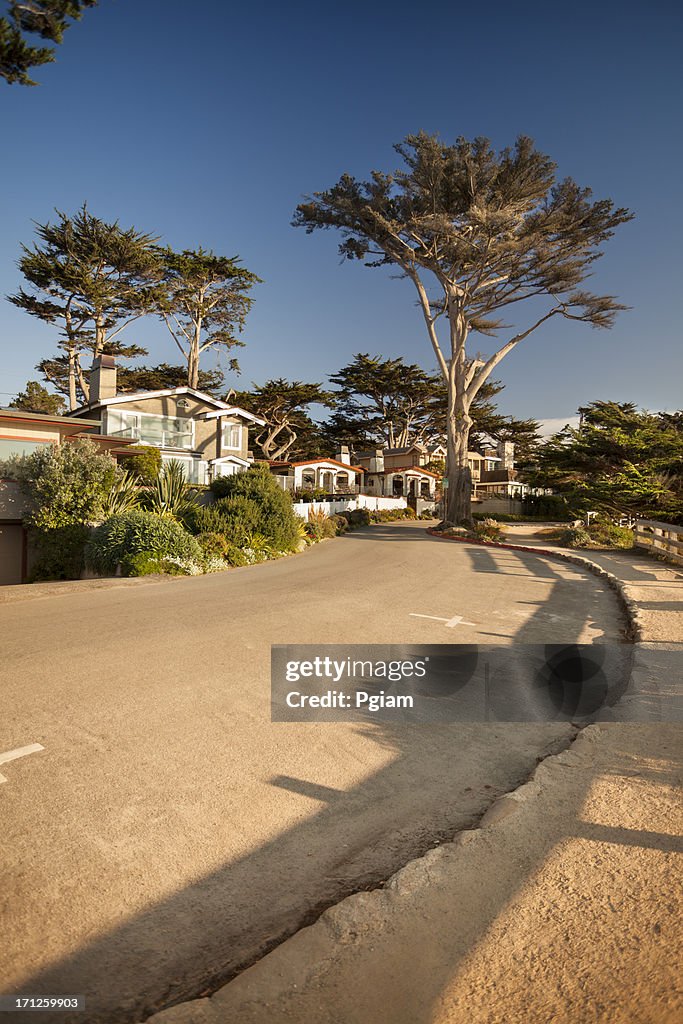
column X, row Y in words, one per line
column 12, row 755
column 457, row 620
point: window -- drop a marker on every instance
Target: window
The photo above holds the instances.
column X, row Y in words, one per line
column 14, row 446
column 162, row 431
column 232, row 436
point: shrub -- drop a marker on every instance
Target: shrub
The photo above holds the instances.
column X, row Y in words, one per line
column 487, row 529
column 170, row 494
column 263, row 507
column 606, row 533
column 320, row 526
column 575, row 537
column 60, row 553
column 358, row 517
column 341, row 524
column 124, row 494
column 138, row 531
column 214, row 545
column 546, row 506
column 143, row 463
column 65, row 484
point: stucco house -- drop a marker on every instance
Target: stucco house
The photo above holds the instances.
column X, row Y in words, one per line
column 399, row 472
column 208, row 437
column 334, row 476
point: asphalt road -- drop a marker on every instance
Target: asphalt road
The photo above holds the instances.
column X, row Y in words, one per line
column 169, row 833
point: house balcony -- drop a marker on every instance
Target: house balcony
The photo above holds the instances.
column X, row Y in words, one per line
column 158, row 438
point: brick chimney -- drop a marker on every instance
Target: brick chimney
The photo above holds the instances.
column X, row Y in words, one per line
column 343, row 455
column 102, row 378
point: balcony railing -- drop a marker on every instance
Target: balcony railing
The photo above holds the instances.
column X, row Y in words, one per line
column 158, row 438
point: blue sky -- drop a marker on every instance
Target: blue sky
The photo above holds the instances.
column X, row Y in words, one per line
column 205, row 124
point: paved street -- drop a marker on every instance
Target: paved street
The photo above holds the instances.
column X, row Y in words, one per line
column 168, row 833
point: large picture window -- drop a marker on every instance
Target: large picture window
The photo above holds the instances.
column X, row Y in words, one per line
column 162, row 431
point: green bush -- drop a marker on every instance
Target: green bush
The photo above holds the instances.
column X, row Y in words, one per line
column 124, row 495
column 252, row 502
column 545, row 506
column 605, row 533
column 170, row 494
column 358, row 517
column 65, row 484
column 143, row 462
column 487, row 529
column 132, row 533
column 214, row 545
column 575, row 537
column 341, row 524
column 60, row 553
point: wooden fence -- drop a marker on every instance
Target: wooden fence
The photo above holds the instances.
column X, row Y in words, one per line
column 660, row 538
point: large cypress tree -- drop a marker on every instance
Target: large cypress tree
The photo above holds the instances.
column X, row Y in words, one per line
column 479, row 234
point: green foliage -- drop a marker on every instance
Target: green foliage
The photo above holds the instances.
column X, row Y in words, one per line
column 170, row 495
column 47, row 19
column 319, row 526
column 487, row 529
column 619, row 460
column 92, row 279
column 204, row 301
column 356, row 518
column 340, row 522
column 60, row 552
column 214, row 545
column 604, row 533
column 143, row 462
column 264, row 508
column 490, row 228
column 65, row 484
column 135, row 532
column 124, row 495
column 282, row 404
column 36, row 398
column 548, row 506
column 158, row 378
column 575, row 537
column 392, row 515
column 147, row 563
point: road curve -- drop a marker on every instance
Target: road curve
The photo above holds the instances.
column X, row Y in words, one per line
column 169, row 833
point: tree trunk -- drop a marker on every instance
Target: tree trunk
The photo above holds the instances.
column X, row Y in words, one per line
column 73, row 402
column 193, row 368
column 458, row 473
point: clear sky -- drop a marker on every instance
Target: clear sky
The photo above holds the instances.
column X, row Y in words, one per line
column 205, row 124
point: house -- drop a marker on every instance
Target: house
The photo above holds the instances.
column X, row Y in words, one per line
column 495, row 476
column 399, row 472
column 208, row 437
column 334, row 476
column 22, row 433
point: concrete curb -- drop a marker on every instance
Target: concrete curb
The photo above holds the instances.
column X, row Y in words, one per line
column 629, row 606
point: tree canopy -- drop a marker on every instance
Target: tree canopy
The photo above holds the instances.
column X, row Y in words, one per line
column 619, row 459
column 283, row 405
column 36, row 398
column 480, row 235
column 46, row 19
column 204, row 302
column 93, row 279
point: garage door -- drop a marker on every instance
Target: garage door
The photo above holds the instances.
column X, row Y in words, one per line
column 11, row 553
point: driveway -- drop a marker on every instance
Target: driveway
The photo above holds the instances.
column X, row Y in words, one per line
column 168, row 833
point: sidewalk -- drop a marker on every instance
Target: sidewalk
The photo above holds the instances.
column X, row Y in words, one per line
column 563, row 905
